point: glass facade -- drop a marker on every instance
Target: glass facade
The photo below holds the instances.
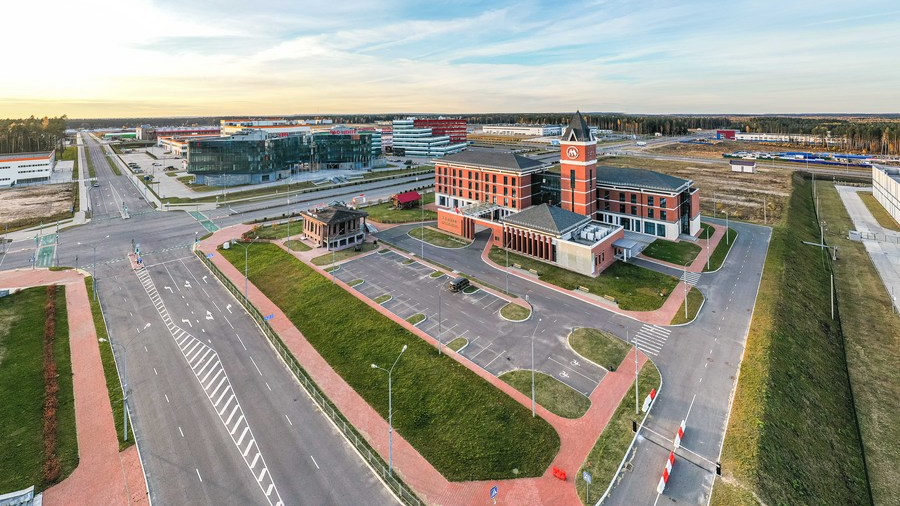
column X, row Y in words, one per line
column 257, row 154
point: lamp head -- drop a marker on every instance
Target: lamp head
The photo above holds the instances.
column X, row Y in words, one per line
column 404, row 349
column 374, row 366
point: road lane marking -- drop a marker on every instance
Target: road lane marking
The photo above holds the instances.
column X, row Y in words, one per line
column 167, row 397
column 154, row 371
column 198, row 475
column 289, row 421
column 241, row 340
column 314, row 462
column 256, row 366
column 181, row 431
column 267, row 386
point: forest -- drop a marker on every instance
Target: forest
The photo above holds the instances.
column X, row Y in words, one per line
column 862, row 135
column 32, row 134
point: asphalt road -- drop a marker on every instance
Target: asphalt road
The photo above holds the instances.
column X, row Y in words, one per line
column 190, row 457
column 698, row 362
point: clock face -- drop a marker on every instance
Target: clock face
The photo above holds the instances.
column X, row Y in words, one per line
column 572, row 152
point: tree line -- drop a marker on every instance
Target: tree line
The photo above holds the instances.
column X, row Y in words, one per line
column 32, row 134
column 869, row 137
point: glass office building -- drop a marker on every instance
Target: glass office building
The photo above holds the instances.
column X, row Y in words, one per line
column 255, row 157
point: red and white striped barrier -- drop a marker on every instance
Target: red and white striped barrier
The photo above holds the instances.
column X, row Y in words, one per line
column 666, row 473
column 648, row 400
column 679, row 434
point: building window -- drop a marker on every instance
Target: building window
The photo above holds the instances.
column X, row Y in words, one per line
column 650, row 213
column 505, row 190
column 495, row 179
column 662, row 202
column 649, row 228
column 606, row 194
column 606, row 205
column 495, row 188
column 649, row 200
column 470, row 185
column 513, row 192
column 621, row 197
column 634, row 198
column 662, row 215
column 660, row 230
column 505, row 180
column 505, row 201
column 634, row 210
column 622, row 208
column 602, row 256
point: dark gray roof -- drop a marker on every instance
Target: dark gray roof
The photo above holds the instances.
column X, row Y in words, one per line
column 545, row 218
column 578, row 129
column 734, row 161
column 618, row 176
column 335, row 214
column 494, row 160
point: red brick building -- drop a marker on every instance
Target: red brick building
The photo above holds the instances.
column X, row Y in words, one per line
column 455, row 128
column 505, row 180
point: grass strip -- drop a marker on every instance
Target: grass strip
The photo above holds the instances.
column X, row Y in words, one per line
column 878, row 211
column 437, row 238
column 343, row 254
column 22, row 325
column 381, row 299
column 678, row 253
column 416, row 318
column 459, row 422
column 634, row 288
column 872, row 340
column 601, row 348
column 721, row 252
column 515, row 312
column 694, row 302
column 113, row 383
column 792, row 437
column 554, row 395
column 457, row 343
column 610, row 448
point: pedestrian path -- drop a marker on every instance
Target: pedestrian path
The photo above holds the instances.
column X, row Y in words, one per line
column 650, row 339
column 207, row 368
column 691, row 278
column 204, row 220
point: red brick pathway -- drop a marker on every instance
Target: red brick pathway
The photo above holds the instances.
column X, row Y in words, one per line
column 577, row 437
column 103, row 476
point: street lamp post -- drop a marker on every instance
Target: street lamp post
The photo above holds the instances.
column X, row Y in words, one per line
column 124, row 387
column 440, row 325
column 94, row 263
column 684, row 279
column 533, row 402
column 727, row 235
column 707, row 246
column 391, row 411
column 246, row 259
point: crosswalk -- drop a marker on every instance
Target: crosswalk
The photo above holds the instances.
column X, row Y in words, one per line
column 207, row 368
column 650, row 339
column 691, row 278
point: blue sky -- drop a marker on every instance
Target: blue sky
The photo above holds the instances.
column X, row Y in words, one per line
column 96, row 58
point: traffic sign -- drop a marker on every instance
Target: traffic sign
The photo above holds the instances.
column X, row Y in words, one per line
column 587, row 477
column 494, row 492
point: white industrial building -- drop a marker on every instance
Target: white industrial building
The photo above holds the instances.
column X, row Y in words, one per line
column 21, row 168
column 272, row 127
column 886, row 189
column 530, row 130
column 411, row 141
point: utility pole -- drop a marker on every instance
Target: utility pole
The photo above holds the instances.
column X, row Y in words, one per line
column 707, row 247
column 533, row 403
column 685, row 292
column 832, row 296
column 727, row 231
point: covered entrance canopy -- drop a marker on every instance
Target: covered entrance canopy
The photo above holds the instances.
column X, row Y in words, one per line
column 626, row 248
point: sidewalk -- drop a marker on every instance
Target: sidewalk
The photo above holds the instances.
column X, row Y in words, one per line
column 661, row 316
column 577, row 437
column 104, row 475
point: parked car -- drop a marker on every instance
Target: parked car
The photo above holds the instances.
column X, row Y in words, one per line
column 458, row 284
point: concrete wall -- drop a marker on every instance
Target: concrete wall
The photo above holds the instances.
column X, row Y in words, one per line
column 886, row 190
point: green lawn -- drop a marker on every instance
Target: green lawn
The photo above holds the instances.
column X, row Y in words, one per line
column 871, row 333
column 610, row 448
column 381, row 299
column 436, row 274
column 385, row 212
column 552, row 394
column 601, row 348
column 185, row 179
column 792, row 437
column 466, row 428
column 457, row 343
column 679, row 253
column 355, row 282
column 113, row 383
column 695, row 300
column 721, row 251
column 435, row 237
column 295, row 245
column 878, row 211
column 22, row 317
column 515, row 312
column 343, row 254
column 634, row 288
column 416, row 318
column 278, row 231
column 92, row 172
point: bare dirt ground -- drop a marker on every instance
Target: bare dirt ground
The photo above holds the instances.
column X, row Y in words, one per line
column 717, row 148
column 28, row 206
column 741, row 195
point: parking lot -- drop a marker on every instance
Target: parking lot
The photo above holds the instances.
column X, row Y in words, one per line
column 495, row 344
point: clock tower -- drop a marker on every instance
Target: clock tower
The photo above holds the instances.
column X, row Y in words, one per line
column 578, row 168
